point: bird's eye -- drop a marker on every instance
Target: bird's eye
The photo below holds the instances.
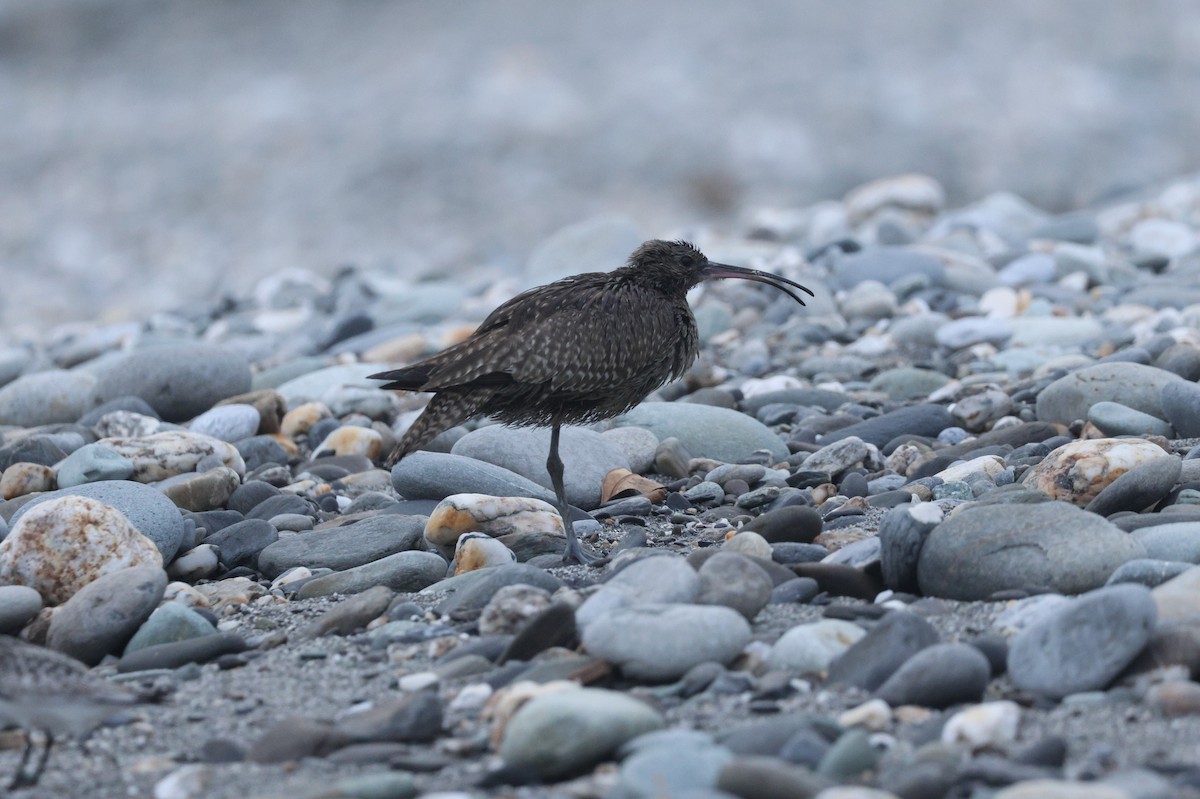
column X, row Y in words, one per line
column 686, row 260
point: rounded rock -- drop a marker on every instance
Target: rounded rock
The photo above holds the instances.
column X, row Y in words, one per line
column 230, row 423
column 1083, row 645
column 938, row 677
column 98, row 619
column 178, row 381
column 1077, row 472
column 47, row 398
column 1052, row 545
column 586, row 455
column 735, row 581
column 59, row 546
column 661, row 642
column 600, row 721
column 812, row 647
column 1132, row 384
column 155, row 516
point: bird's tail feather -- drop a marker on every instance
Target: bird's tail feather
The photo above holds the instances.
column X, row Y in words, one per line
column 408, row 378
column 445, row 410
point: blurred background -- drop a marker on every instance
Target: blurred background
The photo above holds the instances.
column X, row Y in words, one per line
column 159, row 152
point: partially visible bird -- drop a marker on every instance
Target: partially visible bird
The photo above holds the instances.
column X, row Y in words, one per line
column 46, row 691
column 576, row 351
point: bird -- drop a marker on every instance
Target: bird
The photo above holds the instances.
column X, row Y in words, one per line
column 576, row 351
column 47, row 691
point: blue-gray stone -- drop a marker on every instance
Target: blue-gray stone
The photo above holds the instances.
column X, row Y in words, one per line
column 178, row 381
column 1132, row 384
column 586, row 455
column 437, row 475
column 1115, row 419
column 885, row 264
column 600, row 721
column 1148, row 572
column 344, row 547
column 146, row 508
column 92, row 463
column 989, row 548
column 1179, row 541
column 171, row 621
column 124, row 403
column 473, row 590
column 875, row 657
column 1180, row 400
column 1083, row 645
column 920, row 420
column 403, row 571
column 661, row 642
column 1138, row 488
column 310, row 386
column 101, row 617
column 46, row 398
column 240, row 543
column 706, row 431
column 669, row 771
column 18, row 605
column 230, row 423
column 972, row 330
column 938, row 677
column 902, row 534
column 908, row 382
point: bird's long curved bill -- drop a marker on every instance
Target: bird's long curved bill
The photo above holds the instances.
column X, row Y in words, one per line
column 758, row 276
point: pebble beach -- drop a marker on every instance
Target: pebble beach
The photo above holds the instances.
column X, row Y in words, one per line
column 935, row 535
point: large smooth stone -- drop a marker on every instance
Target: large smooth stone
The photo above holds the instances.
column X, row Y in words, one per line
column 178, row 381
column 1077, row 472
column 171, row 452
column 586, row 455
column 598, row 721
column 153, row 514
column 1132, row 384
column 1051, row 545
column 437, row 475
column 706, row 431
column 920, row 420
column 46, row 398
column 343, row 547
column 105, row 613
column 58, row 547
column 661, row 642
column 1084, row 644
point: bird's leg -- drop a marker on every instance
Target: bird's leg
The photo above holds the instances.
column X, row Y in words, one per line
column 41, row 765
column 554, row 465
column 18, row 779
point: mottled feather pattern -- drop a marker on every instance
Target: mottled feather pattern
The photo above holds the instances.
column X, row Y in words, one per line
column 576, row 351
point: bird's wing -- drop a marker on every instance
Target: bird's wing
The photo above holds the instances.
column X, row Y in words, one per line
column 578, row 338
column 581, row 333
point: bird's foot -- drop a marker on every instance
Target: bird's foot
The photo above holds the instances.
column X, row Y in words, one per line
column 21, row 780
column 575, row 553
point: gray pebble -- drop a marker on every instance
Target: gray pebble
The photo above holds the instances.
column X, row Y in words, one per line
column 1084, row 644
column 92, row 463
column 147, row 509
column 403, row 571
column 989, row 548
column 661, row 642
column 169, row 622
column 178, row 381
column 18, row 605
column 102, row 616
column 343, row 547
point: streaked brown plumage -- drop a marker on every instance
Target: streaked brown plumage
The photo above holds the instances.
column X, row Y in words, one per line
column 47, row 691
column 575, row 351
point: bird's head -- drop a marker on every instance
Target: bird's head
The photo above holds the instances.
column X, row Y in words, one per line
column 673, row 267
